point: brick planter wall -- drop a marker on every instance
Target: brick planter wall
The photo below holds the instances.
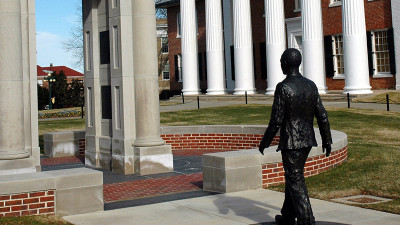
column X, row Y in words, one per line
column 23, row 204
column 273, row 173
column 214, row 141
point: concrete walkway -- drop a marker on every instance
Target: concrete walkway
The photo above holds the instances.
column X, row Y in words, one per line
column 247, row 207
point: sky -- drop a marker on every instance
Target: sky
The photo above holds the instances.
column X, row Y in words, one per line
column 54, row 21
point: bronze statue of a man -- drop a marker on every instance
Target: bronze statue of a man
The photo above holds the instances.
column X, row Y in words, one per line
column 296, row 102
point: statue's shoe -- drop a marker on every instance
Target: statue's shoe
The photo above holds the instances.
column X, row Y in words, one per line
column 281, row 220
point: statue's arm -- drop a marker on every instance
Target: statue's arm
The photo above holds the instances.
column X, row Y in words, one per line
column 275, row 122
column 323, row 123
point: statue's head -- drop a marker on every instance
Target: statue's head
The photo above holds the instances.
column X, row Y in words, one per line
column 290, row 59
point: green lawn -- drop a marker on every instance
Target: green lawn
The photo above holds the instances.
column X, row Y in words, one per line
column 373, row 164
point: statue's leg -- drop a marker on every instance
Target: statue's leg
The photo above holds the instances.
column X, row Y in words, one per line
column 288, row 210
column 293, row 163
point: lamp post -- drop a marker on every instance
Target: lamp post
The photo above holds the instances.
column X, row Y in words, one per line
column 50, row 80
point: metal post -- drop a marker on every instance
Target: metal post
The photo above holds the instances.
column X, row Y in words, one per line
column 245, row 93
column 50, row 103
column 348, row 100
column 198, row 102
column 82, row 111
column 183, row 99
column 387, row 102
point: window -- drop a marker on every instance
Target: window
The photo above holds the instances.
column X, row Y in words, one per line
column 166, row 72
column 178, row 25
column 381, row 58
column 105, row 47
column 164, row 45
column 337, row 51
column 297, row 6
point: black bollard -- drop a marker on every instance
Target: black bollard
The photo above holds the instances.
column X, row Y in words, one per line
column 198, row 102
column 387, row 102
column 82, row 111
column 348, row 100
column 183, row 99
column 245, row 93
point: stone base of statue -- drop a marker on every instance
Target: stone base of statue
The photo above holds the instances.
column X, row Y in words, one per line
column 153, row 160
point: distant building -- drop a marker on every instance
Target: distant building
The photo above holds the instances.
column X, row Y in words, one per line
column 163, row 55
column 247, row 42
column 43, row 72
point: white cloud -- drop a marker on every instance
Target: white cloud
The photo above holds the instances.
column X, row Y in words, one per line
column 49, row 50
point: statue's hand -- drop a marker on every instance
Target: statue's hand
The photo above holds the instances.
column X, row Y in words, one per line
column 328, row 149
column 262, row 147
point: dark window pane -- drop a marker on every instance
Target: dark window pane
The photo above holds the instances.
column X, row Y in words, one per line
column 106, row 102
column 105, row 47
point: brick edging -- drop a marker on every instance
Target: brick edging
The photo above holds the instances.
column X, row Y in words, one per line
column 24, row 204
column 212, row 141
column 273, row 173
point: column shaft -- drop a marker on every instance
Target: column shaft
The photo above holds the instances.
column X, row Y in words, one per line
column 313, row 43
column 145, row 73
column 243, row 46
column 12, row 140
column 396, row 28
column 215, row 48
column 355, row 48
column 190, row 67
column 275, row 42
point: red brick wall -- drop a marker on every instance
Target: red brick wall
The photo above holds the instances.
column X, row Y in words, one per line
column 214, row 141
column 273, row 173
column 22, row 204
column 376, row 83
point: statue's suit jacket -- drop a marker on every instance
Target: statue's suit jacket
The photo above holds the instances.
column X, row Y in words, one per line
column 296, row 102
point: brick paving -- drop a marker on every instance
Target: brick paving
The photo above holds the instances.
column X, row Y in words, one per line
column 147, row 186
column 152, row 187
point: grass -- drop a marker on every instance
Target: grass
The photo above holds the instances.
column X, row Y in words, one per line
column 34, row 220
column 394, row 98
column 373, row 164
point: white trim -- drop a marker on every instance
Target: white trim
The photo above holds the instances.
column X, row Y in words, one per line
column 335, row 4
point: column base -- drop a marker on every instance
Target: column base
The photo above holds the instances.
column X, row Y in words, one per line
column 216, row 92
column 270, row 91
column 191, row 92
column 153, row 160
column 18, row 166
column 13, row 154
column 397, row 87
column 243, row 92
column 357, row 90
column 323, row 91
column 148, row 142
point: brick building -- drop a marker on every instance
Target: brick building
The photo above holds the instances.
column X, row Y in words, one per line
column 377, row 71
column 43, row 72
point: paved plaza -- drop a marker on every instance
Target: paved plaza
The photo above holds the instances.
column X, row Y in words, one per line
column 177, row 198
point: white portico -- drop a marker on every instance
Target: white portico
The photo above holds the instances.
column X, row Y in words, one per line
column 304, row 33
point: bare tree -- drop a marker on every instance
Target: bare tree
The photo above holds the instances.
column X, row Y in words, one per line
column 74, row 44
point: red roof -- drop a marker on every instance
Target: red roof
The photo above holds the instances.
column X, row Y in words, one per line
column 44, row 71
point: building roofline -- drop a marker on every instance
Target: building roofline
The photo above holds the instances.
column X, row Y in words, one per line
column 167, row 3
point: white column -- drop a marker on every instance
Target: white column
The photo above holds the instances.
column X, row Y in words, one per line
column 215, row 48
column 145, row 63
column 275, row 42
column 151, row 155
column 313, row 43
column 190, row 67
column 355, row 48
column 243, row 46
column 12, row 138
column 396, row 29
